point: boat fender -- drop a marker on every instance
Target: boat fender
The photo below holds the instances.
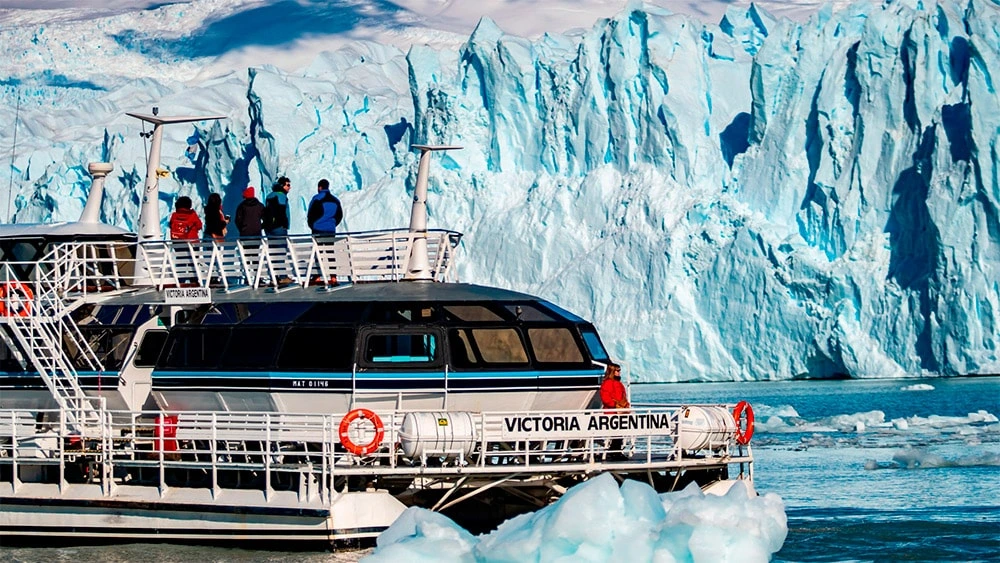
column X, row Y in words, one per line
column 743, row 434
column 345, row 436
column 20, row 297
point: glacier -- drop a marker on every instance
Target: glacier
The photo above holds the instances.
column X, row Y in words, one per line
column 753, row 199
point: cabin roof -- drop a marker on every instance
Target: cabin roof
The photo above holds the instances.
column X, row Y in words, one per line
column 73, row 230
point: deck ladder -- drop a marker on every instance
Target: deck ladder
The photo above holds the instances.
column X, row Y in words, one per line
column 40, row 332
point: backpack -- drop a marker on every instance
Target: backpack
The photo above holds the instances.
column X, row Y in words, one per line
column 273, row 214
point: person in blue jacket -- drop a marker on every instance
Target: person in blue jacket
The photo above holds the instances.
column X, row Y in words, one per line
column 325, row 211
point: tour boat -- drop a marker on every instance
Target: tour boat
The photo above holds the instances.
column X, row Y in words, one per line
column 302, row 388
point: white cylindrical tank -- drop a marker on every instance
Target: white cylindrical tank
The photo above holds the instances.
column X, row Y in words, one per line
column 706, row 427
column 438, row 434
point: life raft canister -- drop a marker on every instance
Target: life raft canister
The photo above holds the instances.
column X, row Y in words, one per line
column 19, row 295
column 743, row 433
column 345, row 434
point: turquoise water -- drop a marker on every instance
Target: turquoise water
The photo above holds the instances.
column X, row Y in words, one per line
column 924, row 489
column 846, row 497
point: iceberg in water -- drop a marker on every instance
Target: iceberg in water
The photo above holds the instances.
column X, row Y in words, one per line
column 600, row 521
column 753, row 199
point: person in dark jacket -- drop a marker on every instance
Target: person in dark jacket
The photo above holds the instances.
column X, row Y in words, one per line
column 215, row 219
column 249, row 214
column 325, row 211
column 277, row 220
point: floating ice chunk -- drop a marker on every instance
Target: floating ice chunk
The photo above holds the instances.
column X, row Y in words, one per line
column 859, row 426
column 419, row 535
column 900, row 424
column 917, row 387
column 600, row 521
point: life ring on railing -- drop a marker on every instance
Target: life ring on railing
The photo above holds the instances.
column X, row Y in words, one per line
column 743, row 435
column 20, row 296
column 345, row 435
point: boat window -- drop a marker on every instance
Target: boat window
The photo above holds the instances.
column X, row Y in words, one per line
column 494, row 346
column 110, row 345
column 401, row 313
column 309, row 348
column 594, row 346
column 219, row 314
column 150, row 348
column 252, row 348
column 276, row 313
column 462, row 354
column 334, row 313
column 555, row 345
column 8, row 363
column 470, row 313
column 529, row 312
column 195, row 348
column 401, row 348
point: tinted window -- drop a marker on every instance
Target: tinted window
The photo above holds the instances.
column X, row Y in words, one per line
column 401, row 348
column 7, row 361
column 554, row 345
column 276, row 313
column 401, row 313
column 470, row 313
column 593, row 343
column 252, row 348
column 334, row 313
column 195, row 348
column 489, row 345
column 110, row 345
column 317, row 348
column 529, row 312
column 150, row 348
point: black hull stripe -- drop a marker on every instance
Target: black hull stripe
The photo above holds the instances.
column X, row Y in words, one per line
column 222, row 534
column 167, row 507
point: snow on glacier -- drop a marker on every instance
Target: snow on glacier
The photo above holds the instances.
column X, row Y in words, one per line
column 753, row 199
column 598, row 520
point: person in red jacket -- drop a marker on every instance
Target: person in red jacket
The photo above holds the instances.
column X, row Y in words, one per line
column 613, row 394
column 184, row 222
column 184, row 225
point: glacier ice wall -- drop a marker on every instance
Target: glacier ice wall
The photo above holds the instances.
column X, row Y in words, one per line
column 757, row 199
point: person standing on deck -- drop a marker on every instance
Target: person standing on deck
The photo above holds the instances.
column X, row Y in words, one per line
column 184, row 226
column 215, row 220
column 184, row 221
column 277, row 219
column 325, row 211
column 614, row 396
column 249, row 214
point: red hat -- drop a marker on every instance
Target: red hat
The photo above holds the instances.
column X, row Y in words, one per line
column 248, row 192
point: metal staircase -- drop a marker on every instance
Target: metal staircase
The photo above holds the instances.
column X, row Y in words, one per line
column 39, row 324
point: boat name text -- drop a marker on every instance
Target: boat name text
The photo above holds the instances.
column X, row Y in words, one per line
column 586, row 425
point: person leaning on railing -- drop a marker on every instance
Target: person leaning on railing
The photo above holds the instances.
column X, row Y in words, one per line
column 249, row 214
column 613, row 396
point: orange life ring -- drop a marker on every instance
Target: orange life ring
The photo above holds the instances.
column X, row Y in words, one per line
column 345, row 427
column 743, row 435
column 20, row 295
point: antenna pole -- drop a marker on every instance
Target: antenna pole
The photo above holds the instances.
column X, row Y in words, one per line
column 419, row 267
column 149, row 213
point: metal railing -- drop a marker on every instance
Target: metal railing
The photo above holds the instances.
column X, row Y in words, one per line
column 306, row 452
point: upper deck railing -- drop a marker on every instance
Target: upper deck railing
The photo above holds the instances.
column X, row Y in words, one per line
column 75, row 269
